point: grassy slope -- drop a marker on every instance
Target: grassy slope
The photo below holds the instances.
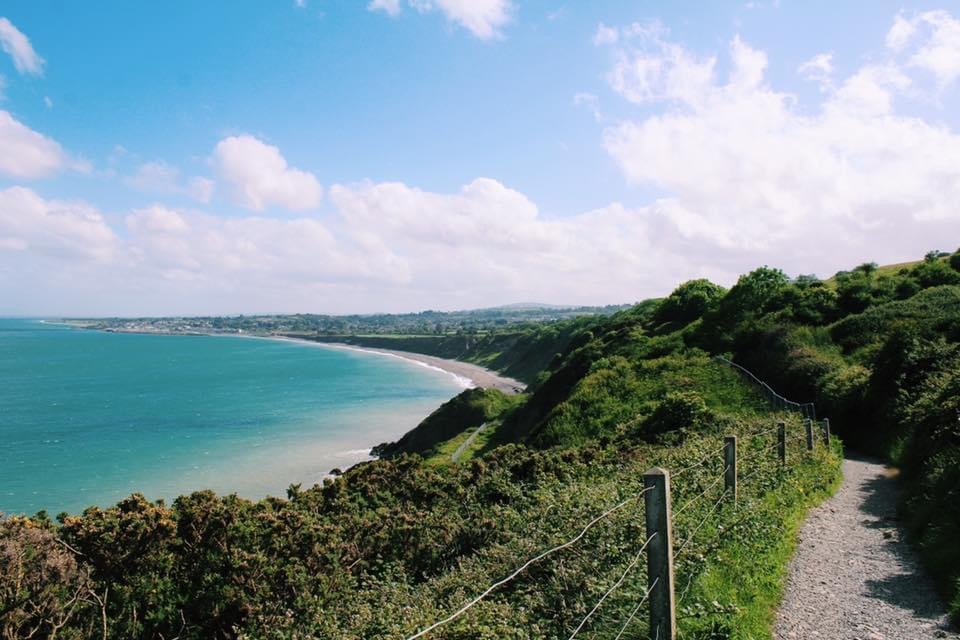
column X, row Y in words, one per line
column 522, row 353
column 467, row 411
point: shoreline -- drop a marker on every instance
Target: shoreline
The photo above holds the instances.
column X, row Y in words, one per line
column 472, row 374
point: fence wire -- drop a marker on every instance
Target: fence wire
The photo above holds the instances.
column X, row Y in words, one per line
column 637, row 608
column 616, row 584
column 806, row 409
column 525, row 565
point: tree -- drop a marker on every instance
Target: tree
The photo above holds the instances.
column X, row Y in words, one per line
column 955, row 260
column 755, row 289
column 689, row 301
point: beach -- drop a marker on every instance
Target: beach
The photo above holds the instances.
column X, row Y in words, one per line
column 473, row 375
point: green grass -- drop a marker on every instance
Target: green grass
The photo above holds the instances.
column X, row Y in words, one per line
column 738, row 594
column 883, row 270
column 442, row 454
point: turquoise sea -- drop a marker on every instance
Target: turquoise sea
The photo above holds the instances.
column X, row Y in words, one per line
column 88, row 417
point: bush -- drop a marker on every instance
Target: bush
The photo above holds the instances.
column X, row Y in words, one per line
column 42, row 586
column 934, row 274
column 678, row 410
column 688, row 302
column 955, row 260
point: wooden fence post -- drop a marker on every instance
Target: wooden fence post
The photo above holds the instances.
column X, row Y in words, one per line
column 809, row 424
column 782, row 442
column 663, row 610
column 730, row 465
column 826, row 431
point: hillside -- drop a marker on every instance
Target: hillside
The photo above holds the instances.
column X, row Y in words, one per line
column 521, row 352
column 396, row 545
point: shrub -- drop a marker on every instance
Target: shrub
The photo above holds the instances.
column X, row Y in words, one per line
column 955, row 260
column 678, row 410
column 42, row 587
column 688, row 302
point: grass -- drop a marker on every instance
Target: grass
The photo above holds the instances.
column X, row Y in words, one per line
column 442, row 454
column 886, row 269
column 738, row 594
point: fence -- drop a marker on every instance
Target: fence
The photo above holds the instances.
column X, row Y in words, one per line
column 805, row 409
column 657, row 547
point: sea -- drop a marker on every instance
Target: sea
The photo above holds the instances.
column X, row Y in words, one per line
column 89, row 417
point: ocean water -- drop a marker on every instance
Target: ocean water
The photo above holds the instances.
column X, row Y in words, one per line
column 88, row 417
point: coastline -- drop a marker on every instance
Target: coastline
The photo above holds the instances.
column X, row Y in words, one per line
column 268, row 463
column 472, row 375
column 467, row 374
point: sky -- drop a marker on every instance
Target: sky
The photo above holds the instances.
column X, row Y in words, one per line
column 355, row 156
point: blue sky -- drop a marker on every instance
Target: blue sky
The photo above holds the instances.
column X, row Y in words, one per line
column 339, row 156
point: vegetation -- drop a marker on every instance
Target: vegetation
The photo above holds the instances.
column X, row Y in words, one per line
column 397, row 544
column 521, row 352
column 470, row 409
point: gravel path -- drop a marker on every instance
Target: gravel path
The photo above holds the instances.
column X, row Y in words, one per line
column 853, row 576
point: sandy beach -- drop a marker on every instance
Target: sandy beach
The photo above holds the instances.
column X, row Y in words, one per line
column 478, row 376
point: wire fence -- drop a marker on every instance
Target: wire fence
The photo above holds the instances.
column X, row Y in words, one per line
column 806, row 409
column 657, row 548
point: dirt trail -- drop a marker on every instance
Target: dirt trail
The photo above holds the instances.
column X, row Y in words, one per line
column 853, row 576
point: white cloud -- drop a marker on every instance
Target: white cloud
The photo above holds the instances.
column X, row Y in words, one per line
column 390, row 7
column 649, row 68
column 161, row 178
column 749, row 65
column 483, row 18
column 48, row 102
column 64, row 230
column 200, row 189
column 900, row 33
column 18, row 47
column 752, row 178
column 589, row 101
column 157, row 177
column 24, row 153
column 388, row 246
column 819, row 69
column 257, row 176
column 936, row 39
column 605, row 35
column 870, row 91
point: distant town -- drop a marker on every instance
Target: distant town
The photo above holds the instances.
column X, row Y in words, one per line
column 426, row 323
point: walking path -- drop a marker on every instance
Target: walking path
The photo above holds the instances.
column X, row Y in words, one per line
column 853, row 576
